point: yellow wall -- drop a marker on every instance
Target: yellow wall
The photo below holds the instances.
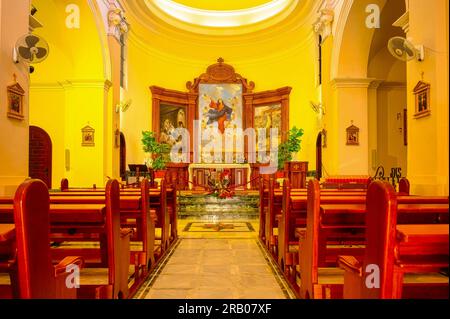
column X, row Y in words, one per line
column 428, row 137
column 13, row 133
column 68, row 93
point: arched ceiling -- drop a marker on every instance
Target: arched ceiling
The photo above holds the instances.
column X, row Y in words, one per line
column 221, row 18
column 222, row 5
column 155, row 28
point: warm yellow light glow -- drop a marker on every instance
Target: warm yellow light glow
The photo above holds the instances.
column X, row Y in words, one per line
column 215, row 18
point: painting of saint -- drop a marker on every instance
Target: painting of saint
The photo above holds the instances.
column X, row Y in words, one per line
column 171, row 117
column 267, row 117
column 220, row 105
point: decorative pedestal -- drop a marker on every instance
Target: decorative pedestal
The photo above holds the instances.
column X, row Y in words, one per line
column 240, row 174
column 296, row 172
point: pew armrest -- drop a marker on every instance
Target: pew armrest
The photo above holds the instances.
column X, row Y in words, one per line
column 350, row 264
column 61, row 268
column 125, row 232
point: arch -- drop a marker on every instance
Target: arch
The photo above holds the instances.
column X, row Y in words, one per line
column 103, row 38
column 352, row 41
column 40, row 155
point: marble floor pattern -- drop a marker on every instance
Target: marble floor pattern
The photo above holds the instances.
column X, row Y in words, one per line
column 216, row 265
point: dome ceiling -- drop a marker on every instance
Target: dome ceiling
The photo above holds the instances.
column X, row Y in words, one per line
column 157, row 26
column 229, row 14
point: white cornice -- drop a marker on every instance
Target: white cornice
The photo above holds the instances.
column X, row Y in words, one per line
column 352, row 83
column 403, row 22
column 68, row 84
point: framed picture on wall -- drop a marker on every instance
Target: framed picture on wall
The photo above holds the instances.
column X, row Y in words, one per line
column 422, row 99
column 352, row 135
column 267, row 117
column 15, row 95
column 171, row 117
column 219, row 106
column 87, row 136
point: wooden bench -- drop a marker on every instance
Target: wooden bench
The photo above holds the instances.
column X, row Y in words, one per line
column 336, row 227
column 26, row 254
column 72, row 222
column 396, row 251
column 271, row 202
column 162, row 199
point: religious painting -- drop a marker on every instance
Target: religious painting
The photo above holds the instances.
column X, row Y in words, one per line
column 87, row 136
column 221, row 107
column 422, row 94
column 171, row 117
column 267, row 117
column 15, row 101
column 352, row 135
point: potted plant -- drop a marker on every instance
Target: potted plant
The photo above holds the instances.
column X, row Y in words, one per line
column 159, row 153
column 287, row 149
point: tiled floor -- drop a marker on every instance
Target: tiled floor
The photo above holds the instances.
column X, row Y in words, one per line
column 211, row 264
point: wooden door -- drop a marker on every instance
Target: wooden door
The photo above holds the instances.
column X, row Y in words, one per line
column 319, row 156
column 40, row 155
column 123, row 156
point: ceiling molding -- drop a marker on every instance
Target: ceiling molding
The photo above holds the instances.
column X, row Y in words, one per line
column 352, row 83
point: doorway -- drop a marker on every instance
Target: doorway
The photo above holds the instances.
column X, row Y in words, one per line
column 319, row 156
column 40, row 155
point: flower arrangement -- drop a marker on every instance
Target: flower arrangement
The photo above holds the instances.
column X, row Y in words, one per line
column 219, row 184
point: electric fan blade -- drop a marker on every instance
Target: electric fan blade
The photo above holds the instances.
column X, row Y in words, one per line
column 409, row 51
column 25, row 53
column 31, row 41
column 41, row 53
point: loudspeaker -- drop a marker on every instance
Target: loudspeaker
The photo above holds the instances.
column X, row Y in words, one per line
column 67, row 159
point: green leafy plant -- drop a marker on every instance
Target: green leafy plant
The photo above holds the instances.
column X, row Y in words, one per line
column 159, row 151
column 289, row 147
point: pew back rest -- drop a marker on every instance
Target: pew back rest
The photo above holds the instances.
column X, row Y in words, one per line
column 309, row 244
column 145, row 212
column 381, row 222
column 64, row 184
column 31, row 215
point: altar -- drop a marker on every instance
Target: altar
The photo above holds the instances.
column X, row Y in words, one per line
column 200, row 172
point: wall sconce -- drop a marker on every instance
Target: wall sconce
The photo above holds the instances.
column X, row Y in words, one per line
column 318, row 108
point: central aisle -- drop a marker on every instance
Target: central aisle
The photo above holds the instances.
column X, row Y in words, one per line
column 218, row 263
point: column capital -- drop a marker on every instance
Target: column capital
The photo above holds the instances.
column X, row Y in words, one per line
column 403, row 22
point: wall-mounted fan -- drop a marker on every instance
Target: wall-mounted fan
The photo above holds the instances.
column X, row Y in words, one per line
column 32, row 49
column 123, row 106
column 404, row 50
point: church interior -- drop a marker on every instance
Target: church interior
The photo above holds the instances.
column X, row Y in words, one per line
column 251, row 149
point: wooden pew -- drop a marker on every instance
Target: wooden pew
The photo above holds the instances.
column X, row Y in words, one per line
column 162, row 216
column 342, row 223
column 273, row 198
column 271, row 222
column 70, row 222
column 263, row 206
column 404, row 186
column 293, row 216
column 395, row 250
column 167, row 221
column 32, row 273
